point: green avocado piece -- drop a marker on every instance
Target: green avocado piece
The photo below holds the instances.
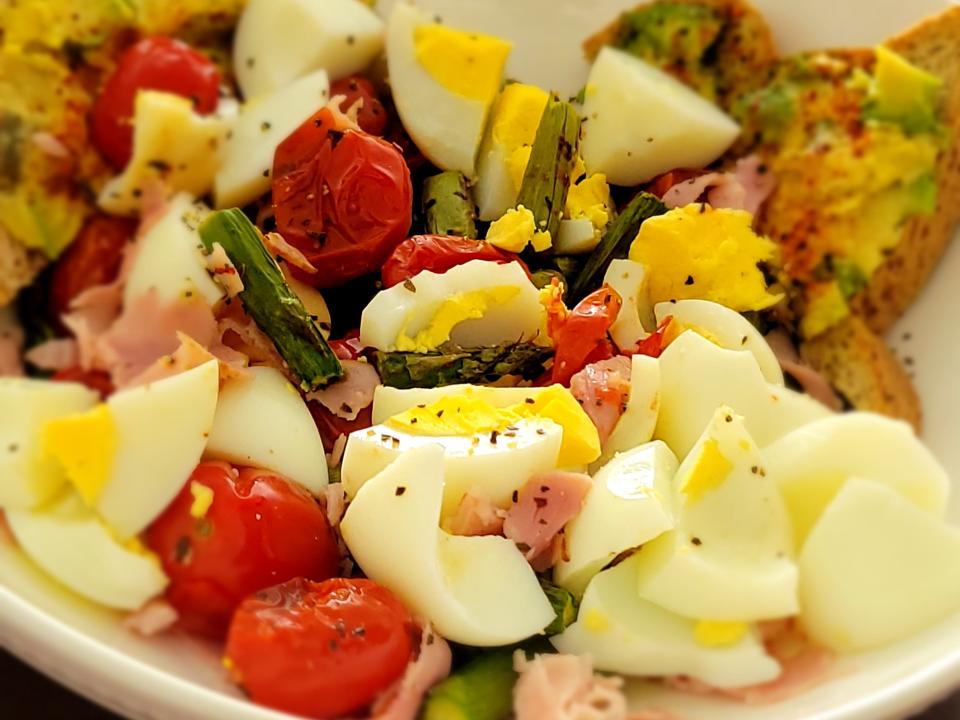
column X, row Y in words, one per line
column 903, row 94
column 676, row 38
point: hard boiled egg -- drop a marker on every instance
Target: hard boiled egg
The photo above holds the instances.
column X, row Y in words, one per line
column 813, row 462
column 506, row 147
column 130, row 456
column 697, row 376
column 262, row 421
column 724, row 327
column 729, row 557
column 444, row 82
column 475, row 590
column 169, row 260
column 69, row 542
column 278, row 41
column 642, row 122
column 263, row 124
column 476, row 304
column 876, row 569
column 635, row 319
column 172, row 145
column 629, row 636
column 639, row 419
column 390, row 401
column 630, row 503
column 28, row 475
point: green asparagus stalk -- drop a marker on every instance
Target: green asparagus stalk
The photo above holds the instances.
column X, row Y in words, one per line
column 616, row 242
column 269, row 300
column 547, row 177
column 564, row 605
column 452, row 365
column 448, row 205
column 480, row 690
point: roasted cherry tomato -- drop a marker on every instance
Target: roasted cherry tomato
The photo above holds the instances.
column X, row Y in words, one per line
column 259, row 529
column 157, row 63
column 333, row 426
column 372, row 117
column 660, row 184
column 93, row 258
column 96, row 380
column 582, row 338
column 348, row 347
column 320, row 650
column 656, row 342
column 437, row 253
column 343, row 198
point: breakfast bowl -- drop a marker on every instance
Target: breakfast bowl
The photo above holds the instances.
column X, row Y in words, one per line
column 103, row 654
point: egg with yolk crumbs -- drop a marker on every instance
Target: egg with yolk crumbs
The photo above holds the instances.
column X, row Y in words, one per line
column 697, row 251
column 444, row 82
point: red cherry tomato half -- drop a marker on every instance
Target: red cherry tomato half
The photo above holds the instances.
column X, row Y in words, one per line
column 260, row 529
column 157, row 63
column 372, row 117
column 655, row 343
column 321, row 650
column 96, row 380
column 343, row 198
column 93, row 258
column 349, row 346
column 333, row 426
column 660, row 184
column 438, row 253
column 582, row 338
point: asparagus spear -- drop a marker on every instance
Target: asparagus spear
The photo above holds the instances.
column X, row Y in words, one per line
column 452, row 365
column 547, row 177
column 564, row 605
column 268, row 299
column 615, row 242
column 448, row 205
column 480, row 690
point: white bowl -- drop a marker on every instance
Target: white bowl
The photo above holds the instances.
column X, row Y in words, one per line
column 179, row 678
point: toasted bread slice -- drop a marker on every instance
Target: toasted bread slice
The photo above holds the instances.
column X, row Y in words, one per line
column 738, row 56
column 934, row 46
column 860, row 366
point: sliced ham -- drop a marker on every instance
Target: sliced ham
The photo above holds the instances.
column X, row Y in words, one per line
column 476, row 515
column 11, row 345
column 564, row 687
column 351, row 394
column 282, row 250
column 747, row 187
column 543, row 506
column 603, row 388
column 238, row 332
column 334, row 501
column 653, row 714
column 188, row 355
column 811, row 382
column 155, row 617
column 432, row 664
column 224, row 272
column 54, row 355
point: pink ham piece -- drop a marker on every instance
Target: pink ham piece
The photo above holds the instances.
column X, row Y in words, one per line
column 333, row 498
column 156, row 617
column 653, row 714
column 746, row 188
column 11, row 345
column 238, row 332
column 476, row 515
column 351, row 394
column 189, row 355
column 282, row 250
column 603, row 388
column 540, row 510
column 564, row 687
column 432, row 664
column 813, row 383
column 54, row 355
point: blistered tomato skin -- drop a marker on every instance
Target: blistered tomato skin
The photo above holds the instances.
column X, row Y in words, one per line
column 157, row 63
column 583, row 336
column 438, row 253
column 230, row 533
column 320, row 650
column 372, row 117
column 344, row 198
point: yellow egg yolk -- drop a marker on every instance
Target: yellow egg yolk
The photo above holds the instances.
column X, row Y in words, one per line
column 699, row 252
column 513, row 127
column 459, row 415
column 453, row 311
column 516, row 229
column 202, row 500
column 590, row 199
column 85, row 446
column 468, row 64
column 719, row 634
column 826, row 306
column 709, row 472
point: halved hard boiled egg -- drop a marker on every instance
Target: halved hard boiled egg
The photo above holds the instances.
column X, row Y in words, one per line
column 475, row 590
column 639, row 419
column 444, row 82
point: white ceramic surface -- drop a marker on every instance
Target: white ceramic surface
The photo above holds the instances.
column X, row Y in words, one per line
column 177, row 678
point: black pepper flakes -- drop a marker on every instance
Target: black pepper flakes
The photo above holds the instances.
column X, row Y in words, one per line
column 493, row 437
column 265, row 126
column 696, row 541
column 689, row 280
column 400, row 490
column 408, row 285
column 540, row 502
column 516, row 495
